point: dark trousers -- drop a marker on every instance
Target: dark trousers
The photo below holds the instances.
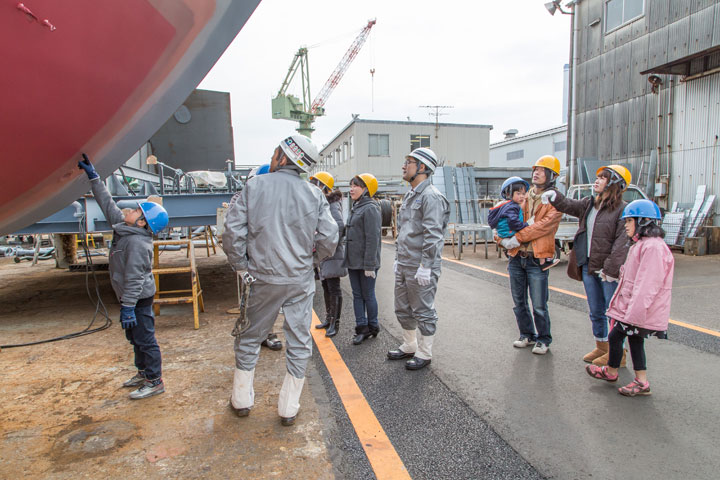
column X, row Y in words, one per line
column 331, row 287
column 364, row 302
column 526, row 276
column 142, row 338
column 635, row 342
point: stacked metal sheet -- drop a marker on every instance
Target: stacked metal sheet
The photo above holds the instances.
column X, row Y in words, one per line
column 681, row 224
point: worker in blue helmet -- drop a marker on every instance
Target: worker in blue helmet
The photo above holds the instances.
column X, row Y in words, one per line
column 130, row 265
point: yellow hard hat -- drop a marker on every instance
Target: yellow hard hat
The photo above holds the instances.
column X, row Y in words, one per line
column 370, row 182
column 548, row 161
column 325, row 178
column 623, row 172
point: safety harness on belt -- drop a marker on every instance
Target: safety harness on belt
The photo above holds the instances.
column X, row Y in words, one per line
column 243, row 322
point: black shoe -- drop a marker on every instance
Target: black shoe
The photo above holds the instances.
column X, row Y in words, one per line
column 361, row 333
column 335, row 321
column 288, row 421
column 398, row 354
column 240, row 412
column 417, row 363
column 326, row 323
column 374, row 330
column 272, row 342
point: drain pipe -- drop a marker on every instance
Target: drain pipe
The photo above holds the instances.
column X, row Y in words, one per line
column 573, row 95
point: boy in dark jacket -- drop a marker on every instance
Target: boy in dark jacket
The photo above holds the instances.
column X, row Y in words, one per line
column 130, row 265
column 507, row 217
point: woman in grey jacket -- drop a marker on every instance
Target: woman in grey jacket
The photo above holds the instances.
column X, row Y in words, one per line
column 331, row 269
column 362, row 254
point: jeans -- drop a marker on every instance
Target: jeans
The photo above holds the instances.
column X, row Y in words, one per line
column 364, row 302
column 599, row 294
column 142, row 338
column 526, row 275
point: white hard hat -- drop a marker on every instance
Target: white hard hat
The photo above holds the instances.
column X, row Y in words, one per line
column 426, row 156
column 301, row 151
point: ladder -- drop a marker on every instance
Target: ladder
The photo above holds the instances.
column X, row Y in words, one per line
column 195, row 291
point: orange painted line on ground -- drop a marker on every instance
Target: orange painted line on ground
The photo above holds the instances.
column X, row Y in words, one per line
column 689, row 326
column 384, row 460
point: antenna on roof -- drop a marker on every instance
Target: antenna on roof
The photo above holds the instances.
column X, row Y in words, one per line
column 437, row 114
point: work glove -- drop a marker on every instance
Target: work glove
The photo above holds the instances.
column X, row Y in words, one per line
column 88, row 167
column 395, row 267
column 548, row 197
column 606, row 278
column 127, row 317
column 423, row 276
column 369, row 273
column 510, row 243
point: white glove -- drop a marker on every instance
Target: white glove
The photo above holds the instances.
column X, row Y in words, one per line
column 369, row 273
column 548, row 196
column 423, row 276
column 531, row 221
column 510, row 243
column 395, row 267
column 606, row 278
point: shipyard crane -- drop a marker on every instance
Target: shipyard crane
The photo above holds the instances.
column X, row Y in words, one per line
column 289, row 107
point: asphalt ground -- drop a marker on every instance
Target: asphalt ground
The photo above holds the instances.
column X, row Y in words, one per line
column 486, row 410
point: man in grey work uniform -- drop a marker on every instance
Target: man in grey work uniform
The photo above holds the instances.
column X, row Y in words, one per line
column 271, row 232
column 422, row 221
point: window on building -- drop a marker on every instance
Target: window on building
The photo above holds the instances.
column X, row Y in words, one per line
column 560, row 146
column 352, row 146
column 515, row 155
column 620, row 12
column 379, row 145
column 417, row 141
column 344, row 152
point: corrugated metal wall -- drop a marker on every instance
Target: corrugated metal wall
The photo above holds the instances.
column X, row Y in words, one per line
column 620, row 120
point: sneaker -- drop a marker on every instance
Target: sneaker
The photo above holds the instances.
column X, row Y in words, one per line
column 523, row 342
column 148, row 389
column 550, row 263
column 135, row 381
column 636, row 387
column 540, row 349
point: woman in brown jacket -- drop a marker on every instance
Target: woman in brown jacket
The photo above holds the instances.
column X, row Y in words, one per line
column 599, row 248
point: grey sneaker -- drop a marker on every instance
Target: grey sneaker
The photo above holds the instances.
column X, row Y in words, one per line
column 148, row 389
column 135, row 381
column 540, row 349
column 523, row 342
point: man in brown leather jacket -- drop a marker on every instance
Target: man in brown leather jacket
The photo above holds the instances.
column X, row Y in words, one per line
column 528, row 250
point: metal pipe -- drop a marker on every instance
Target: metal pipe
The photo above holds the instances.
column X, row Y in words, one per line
column 573, row 95
column 668, row 138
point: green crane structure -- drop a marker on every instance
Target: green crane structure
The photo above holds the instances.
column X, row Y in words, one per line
column 290, row 107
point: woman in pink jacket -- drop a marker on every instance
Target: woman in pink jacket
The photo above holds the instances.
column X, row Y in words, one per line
column 640, row 307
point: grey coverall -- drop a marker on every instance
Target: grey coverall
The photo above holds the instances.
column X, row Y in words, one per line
column 422, row 221
column 271, row 231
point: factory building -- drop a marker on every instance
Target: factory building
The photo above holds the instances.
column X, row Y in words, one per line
column 522, row 150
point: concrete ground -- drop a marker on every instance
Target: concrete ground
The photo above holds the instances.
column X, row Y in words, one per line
column 65, row 415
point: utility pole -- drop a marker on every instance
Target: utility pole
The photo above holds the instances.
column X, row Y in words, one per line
column 437, row 114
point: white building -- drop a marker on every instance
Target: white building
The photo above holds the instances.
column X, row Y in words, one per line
column 379, row 147
column 524, row 150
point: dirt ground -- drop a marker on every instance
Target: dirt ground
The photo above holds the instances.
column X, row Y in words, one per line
column 64, row 413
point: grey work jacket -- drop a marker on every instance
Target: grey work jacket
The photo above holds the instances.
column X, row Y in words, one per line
column 272, row 228
column 364, row 230
column 333, row 267
column 422, row 221
column 131, row 253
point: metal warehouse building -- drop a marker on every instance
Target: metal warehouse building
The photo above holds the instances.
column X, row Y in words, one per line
column 379, row 147
column 646, row 93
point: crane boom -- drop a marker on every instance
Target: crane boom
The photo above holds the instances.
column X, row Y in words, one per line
column 341, row 68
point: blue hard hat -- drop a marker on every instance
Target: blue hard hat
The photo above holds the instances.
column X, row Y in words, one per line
column 642, row 209
column 155, row 215
column 263, row 169
column 511, row 181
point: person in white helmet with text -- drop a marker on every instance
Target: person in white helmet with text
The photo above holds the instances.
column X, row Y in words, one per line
column 270, row 234
column 422, row 221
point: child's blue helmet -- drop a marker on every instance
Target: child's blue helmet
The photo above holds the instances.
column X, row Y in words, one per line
column 642, row 209
column 505, row 190
column 155, row 215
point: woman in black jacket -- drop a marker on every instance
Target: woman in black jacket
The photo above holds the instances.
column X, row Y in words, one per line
column 362, row 254
column 331, row 269
column 599, row 248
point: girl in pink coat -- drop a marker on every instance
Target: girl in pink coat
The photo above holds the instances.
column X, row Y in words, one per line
column 640, row 307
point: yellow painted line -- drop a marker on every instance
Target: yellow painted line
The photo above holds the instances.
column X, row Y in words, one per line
column 384, row 460
column 690, row 326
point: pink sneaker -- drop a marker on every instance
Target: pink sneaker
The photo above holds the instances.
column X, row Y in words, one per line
column 636, row 387
column 601, row 373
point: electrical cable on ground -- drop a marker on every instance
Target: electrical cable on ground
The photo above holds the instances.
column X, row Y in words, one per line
column 99, row 305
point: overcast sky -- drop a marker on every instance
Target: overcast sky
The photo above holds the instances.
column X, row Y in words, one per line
column 498, row 62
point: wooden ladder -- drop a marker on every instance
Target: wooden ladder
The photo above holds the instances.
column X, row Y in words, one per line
column 195, row 291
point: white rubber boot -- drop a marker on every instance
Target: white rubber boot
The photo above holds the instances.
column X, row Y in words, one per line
column 424, row 350
column 289, row 400
column 243, row 395
column 410, row 344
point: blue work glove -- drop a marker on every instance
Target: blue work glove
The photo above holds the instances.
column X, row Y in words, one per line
column 127, row 317
column 88, row 167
